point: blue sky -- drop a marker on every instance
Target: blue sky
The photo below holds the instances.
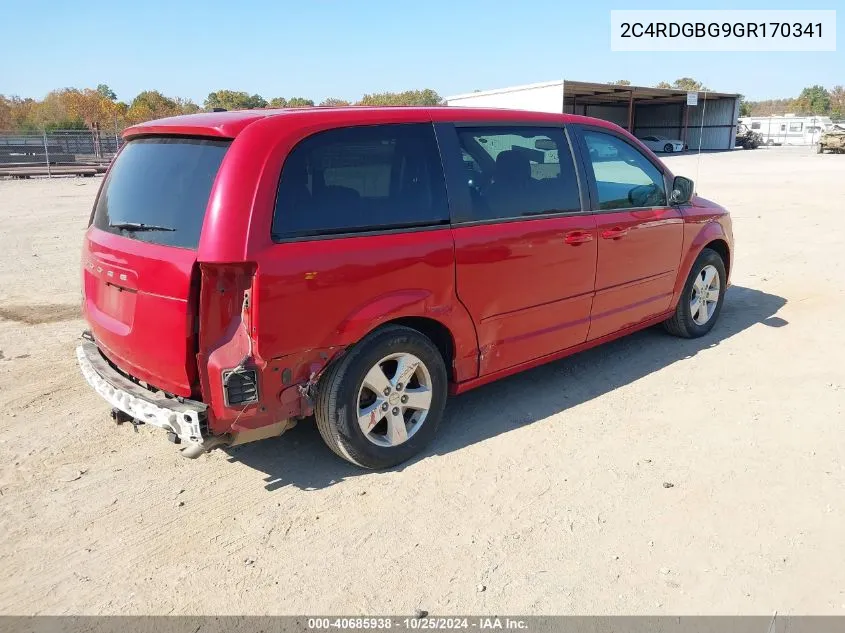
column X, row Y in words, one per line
column 319, row 48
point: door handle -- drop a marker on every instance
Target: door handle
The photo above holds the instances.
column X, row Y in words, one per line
column 574, row 238
column 616, row 233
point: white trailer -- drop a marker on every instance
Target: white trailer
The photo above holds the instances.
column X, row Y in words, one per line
column 788, row 129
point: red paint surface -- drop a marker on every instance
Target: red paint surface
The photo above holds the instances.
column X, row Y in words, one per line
column 511, row 295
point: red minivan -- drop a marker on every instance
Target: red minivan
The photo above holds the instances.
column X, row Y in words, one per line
column 244, row 270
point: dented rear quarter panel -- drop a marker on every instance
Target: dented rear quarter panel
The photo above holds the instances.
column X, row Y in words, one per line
column 311, row 299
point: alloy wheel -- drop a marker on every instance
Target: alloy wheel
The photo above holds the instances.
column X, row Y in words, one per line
column 394, row 399
column 705, row 295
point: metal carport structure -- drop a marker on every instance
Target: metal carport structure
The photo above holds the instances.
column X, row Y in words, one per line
column 641, row 110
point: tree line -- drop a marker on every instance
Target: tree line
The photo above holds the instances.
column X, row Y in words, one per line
column 88, row 108
column 812, row 100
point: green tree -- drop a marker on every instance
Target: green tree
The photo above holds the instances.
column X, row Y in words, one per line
column 771, row 107
column 299, row 102
column 21, row 113
column 621, row 82
column 106, row 92
column 151, row 104
column 186, row 106
column 813, row 100
column 837, row 101
column 333, row 102
column 5, row 114
column 744, row 106
column 663, row 84
column 278, row 102
column 689, row 84
column 426, row 97
column 59, row 110
column 232, row 100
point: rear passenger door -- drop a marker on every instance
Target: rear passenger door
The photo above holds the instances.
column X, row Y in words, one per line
column 640, row 235
column 525, row 252
column 361, row 226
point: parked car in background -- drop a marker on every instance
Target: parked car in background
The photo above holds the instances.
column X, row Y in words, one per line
column 245, row 270
column 662, row 144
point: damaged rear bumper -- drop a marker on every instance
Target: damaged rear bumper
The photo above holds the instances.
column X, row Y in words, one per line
column 184, row 418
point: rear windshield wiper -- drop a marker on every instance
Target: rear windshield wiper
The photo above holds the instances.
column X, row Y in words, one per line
column 139, row 226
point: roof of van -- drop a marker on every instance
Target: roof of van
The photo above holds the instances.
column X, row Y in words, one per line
column 230, row 124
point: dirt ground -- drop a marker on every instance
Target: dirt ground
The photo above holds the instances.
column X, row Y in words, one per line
column 543, row 493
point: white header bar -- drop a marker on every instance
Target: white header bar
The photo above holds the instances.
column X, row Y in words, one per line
column 723, row 30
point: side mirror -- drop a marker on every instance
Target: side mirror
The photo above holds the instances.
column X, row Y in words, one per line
column 682, row 190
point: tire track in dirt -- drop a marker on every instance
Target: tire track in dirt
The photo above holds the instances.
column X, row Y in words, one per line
column 37, row 314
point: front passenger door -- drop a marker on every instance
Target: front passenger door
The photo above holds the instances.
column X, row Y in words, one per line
column 640, row 235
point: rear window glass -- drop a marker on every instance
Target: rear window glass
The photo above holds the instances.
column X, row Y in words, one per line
column 158, row 189
column 361, row 179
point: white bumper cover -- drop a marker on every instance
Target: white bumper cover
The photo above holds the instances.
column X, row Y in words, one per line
column 179, row 417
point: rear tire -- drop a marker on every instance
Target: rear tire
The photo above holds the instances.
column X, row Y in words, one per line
column 702, row 297
column 380, row 430
column 821, row 149
column 667, row 148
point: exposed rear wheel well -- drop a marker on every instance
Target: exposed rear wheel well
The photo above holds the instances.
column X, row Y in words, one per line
column 721, row 247
column 439, row 335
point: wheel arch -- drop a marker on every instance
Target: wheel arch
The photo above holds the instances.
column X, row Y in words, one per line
column 437, row 333
column 447, row 323
column 712, row 237
column 720, row 246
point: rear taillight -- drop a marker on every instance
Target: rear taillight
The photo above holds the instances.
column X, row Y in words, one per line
column 222, row 290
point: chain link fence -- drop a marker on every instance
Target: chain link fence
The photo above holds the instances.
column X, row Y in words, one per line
column 58, row 152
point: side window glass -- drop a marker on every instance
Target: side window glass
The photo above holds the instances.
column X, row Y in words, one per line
column 518, row 172
column 625, row 178
column 361, row 179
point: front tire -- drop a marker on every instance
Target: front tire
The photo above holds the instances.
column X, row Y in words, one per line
column 702, row 297
column 667, row 148
column 381, row 403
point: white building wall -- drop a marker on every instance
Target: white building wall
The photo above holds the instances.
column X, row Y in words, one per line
column 545, row 97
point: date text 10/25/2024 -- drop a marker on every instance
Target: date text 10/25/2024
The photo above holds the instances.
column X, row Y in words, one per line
column 418, row 623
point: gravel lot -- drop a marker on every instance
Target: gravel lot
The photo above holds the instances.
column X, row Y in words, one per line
column 543, row 493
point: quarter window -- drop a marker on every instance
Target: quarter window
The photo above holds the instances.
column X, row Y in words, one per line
column 625, row 178
column 514, row 172
column 361, row 179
